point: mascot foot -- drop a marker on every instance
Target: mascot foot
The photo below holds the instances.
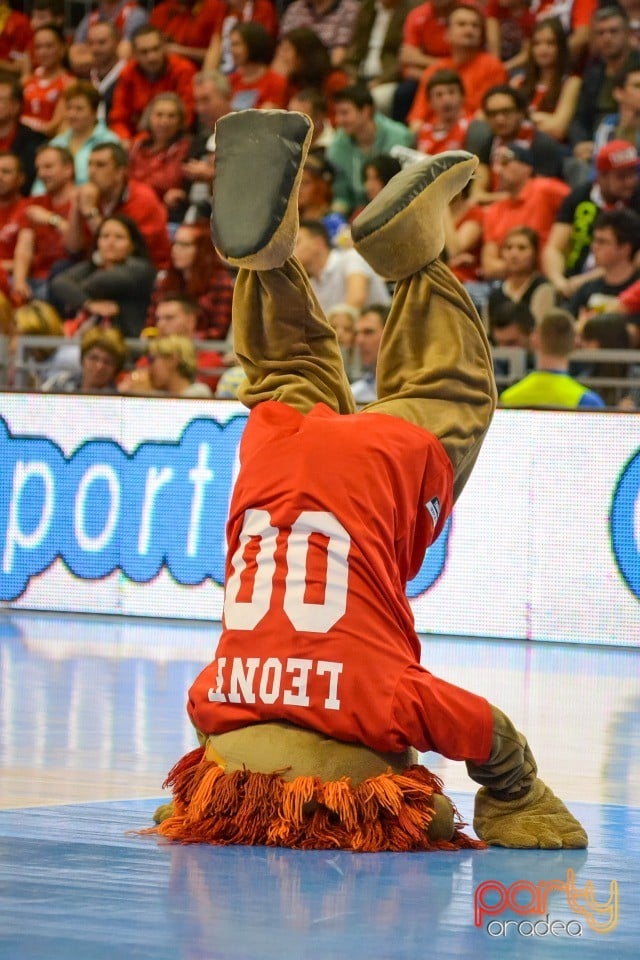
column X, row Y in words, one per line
column 401, row 230
column 443, row 825
column 537, row 820
column 164, row 811
column 259, row 159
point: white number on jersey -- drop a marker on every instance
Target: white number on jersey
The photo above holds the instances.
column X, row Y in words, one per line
column 316, row 542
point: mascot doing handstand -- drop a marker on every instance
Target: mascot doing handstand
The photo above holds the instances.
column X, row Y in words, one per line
column 310, row 715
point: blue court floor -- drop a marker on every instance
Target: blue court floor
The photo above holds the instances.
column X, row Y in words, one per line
column 92, row 716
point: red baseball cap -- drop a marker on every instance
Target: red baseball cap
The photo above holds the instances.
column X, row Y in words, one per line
column 617, row 155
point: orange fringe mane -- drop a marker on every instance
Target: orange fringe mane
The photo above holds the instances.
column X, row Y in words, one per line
column 387, row 812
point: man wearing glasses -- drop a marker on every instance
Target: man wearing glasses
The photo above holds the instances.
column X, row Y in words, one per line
column 506, row 121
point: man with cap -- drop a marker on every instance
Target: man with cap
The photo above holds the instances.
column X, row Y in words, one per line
column 531, row 201
column 567, row 259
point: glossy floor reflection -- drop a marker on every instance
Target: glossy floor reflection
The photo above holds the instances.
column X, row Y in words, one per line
column 92, row 716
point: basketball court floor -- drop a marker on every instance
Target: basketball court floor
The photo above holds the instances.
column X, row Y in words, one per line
column 92, row 717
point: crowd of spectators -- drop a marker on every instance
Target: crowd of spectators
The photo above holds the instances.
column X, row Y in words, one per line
column 107, row 153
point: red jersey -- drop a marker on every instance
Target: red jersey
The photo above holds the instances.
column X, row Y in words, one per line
column 48, row 247
column 571, row 13
column 15, row 34
column 189, row 26
column 630, row 298
column 433, row 138
column 40, row 95
column 271, row 88
column 161, row 170
column 425, row 30
column 143, row 206
column 140, row 202
column 536, row 206
column 10, row 215
column 134, row 89
column 330, row 517
column 478, row 74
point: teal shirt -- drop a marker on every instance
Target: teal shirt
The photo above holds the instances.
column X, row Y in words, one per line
column 550, row 388
column 349, row 160
column 101, row 134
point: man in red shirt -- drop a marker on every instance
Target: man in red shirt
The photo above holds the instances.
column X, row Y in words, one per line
column 424, row 37
column 150, row 71
column 188, row 25
column 448, row 127
column 317, row 674
column 44, row 224
column 12, row 203
column 478, row 70
column 531, row 201
column 15, row 39
column 109, row 190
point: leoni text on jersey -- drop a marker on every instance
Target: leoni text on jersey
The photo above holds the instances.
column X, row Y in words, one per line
column 251, row 679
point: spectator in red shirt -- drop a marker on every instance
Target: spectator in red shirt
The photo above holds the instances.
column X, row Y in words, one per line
column 629, row 299
column 188, row 25
column 15, row 39
column 425, row 37
column 151, row 71
column 424, row 40
column 156, row 158
column 44, row 225
column 110, row 191
column 531, row 201
column 448, row 128
column 42, row 104
column 253, row 83
column 479, row 70
column 12, row 204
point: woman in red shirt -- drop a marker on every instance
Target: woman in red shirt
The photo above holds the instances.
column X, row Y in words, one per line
column 156, row 158
column 43, row 107
column 253, row 83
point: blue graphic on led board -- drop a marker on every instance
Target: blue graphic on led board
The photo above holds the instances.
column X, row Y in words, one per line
column 102, row 509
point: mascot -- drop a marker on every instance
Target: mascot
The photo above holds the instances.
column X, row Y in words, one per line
column 310, row 715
